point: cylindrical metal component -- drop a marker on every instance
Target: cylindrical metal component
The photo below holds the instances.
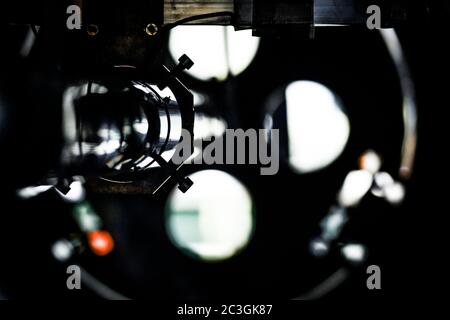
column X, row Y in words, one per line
column 117, row 127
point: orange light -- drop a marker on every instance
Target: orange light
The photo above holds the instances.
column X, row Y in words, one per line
column 100, row 242
column 361, row 162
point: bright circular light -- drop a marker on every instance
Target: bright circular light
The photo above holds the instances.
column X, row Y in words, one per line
column 213, row 221
column 319, row 248
column 62, row 250
column 356, row 185
column 395, row 193
column 354, row 252
column 318, row 128
column 100, row 242
column 370, row 161
column 217, row 51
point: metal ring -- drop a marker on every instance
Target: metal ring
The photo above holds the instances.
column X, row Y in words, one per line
column 92, row 30
column 151, row 29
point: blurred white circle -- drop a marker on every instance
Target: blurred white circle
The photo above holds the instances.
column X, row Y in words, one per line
column 395, row 193
column 318, row 128
column 217, row 51
column 318, row 248
column 370, row 161
column 62, row 250
column 213, row 221
column 356, row 185
column 354, row 252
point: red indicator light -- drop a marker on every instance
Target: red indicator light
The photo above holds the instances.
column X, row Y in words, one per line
column 100, row 242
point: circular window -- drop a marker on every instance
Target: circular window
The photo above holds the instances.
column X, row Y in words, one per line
column 216, row 50
column 317, row 127
column 213, row 221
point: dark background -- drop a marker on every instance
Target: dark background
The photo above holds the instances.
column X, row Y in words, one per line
column 354, row 64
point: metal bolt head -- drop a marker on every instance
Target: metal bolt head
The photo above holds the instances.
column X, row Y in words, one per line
column 92, row 30
column 151, row 29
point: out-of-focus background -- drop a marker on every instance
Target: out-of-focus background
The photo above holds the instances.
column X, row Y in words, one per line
column 337, row 205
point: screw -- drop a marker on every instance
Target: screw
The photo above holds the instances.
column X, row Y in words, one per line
column 92, row 30
column 151, row 29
